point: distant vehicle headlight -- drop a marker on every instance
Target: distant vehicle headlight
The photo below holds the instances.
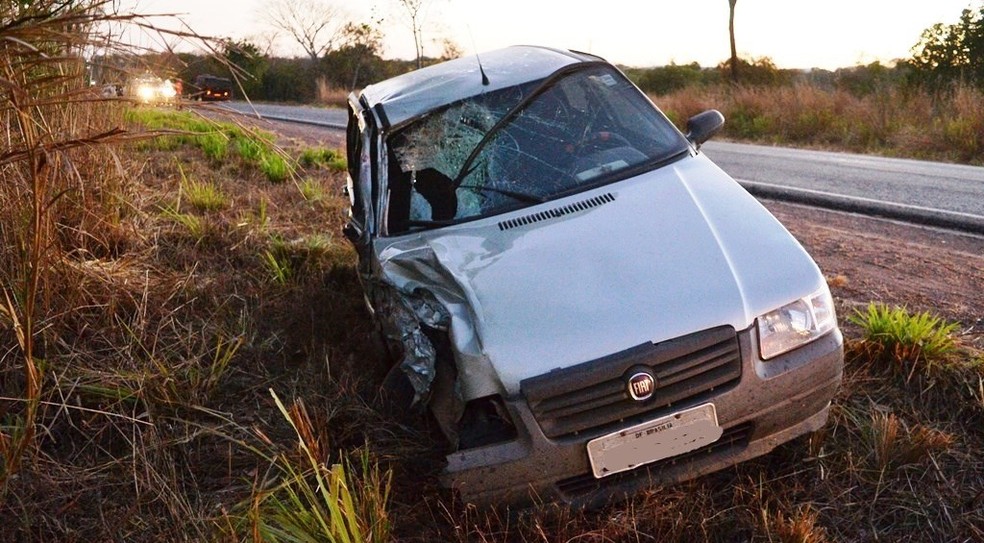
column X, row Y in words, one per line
column 796, row 324
column 146, row 92
column 167, row 90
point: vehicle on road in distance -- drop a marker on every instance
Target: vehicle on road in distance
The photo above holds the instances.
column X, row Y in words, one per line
column 150, row 89
column 585, row 303
column 212, row 88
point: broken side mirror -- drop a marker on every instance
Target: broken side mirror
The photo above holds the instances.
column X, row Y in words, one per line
column 703, row 126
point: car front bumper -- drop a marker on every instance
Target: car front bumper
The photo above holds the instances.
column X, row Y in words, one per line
column 772, row 403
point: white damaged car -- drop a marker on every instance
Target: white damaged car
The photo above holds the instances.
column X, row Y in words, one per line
column 583, row 300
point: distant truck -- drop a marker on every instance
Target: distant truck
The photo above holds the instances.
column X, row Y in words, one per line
column 211, row 88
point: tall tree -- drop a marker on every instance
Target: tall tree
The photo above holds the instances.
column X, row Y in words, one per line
column 415, row 9
column 363, row 42
column 247, row 64
column 954, row 52
column 731, row 33
column 316, row 25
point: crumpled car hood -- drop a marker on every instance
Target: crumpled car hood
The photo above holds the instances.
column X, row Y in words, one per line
column 677, row 250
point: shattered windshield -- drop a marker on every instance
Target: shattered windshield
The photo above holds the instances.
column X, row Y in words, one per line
column 507, row 149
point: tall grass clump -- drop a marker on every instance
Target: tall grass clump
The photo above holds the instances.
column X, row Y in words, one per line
column 275, row 167
column 250, row 149
column 311, row 190
column 907, row 341
column 895, row 444
column 320, row 157
column 202, row 195
column 313, row 501
column 52, row 153
column 98, row 441
column 215, row 146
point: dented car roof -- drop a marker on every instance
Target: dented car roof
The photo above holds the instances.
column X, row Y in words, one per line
column 408, row 96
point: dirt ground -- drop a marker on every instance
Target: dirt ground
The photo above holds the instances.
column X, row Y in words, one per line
column 865, row 259
column 875, row 260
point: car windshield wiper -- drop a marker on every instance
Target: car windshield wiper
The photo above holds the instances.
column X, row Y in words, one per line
column 521, row 196
column 467, row 167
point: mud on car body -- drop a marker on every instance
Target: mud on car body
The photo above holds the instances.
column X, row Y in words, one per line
column 583, row 300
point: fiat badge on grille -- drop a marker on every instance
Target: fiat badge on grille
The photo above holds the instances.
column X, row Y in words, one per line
column 641, row 386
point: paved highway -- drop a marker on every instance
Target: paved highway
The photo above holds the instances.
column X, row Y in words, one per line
column 334, row 118
column 949, row 187
column 947, row 195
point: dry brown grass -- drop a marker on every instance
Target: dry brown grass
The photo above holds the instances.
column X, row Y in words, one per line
column 136, row 360
column 328, row 95
column 948, row 126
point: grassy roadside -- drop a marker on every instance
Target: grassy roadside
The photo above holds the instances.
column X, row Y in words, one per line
column 184, row 356
column 225, row 285
column 913, row 123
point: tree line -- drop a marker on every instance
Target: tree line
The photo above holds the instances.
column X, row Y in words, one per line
column 944, row 55
column 342, row 55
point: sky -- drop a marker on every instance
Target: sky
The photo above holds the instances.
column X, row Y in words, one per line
column 794, row 34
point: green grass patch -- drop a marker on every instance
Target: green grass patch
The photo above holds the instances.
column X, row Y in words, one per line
column 250, row 149
column 315, row 501
column 289, row 261
column 321, row 157
column 204, row 196
column 193, row 224
column 215, row 146
column 215, row 139
column 311, row 190
column 279, row 266
column 905, row 339
column 275, row 167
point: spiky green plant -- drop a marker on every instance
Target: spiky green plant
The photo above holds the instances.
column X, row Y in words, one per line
column 316, row 502
column 904, row 338
column 214, row 145
column 311, row 190
column 275, row 167
column 195, row 226
column 250, row 149
column 204, row 196
column 279, row 266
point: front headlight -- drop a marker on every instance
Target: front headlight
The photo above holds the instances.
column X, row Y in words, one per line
column 146, row 92
column 795, row 324
column 167, row 90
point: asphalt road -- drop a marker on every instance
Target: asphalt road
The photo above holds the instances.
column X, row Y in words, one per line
column 334, row 118
column 949, row 187
column 933, row 193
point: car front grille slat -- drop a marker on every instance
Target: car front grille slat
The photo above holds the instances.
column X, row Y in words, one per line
column 594, row 395
column 685, row 367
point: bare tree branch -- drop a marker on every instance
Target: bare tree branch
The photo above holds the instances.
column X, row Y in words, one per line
column 316, row 25
column 414, row 9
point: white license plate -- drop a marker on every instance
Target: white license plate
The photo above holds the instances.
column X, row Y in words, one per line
column 654, row 440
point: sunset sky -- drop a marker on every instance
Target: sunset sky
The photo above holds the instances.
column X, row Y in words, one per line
column 795, row 34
